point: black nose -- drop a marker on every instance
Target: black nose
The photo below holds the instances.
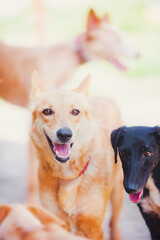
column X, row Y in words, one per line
column 131, row 190
column 64, row 134
column 130, row 187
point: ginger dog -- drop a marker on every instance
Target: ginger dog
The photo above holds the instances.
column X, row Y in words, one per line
column 20, row 222
column 77, row 175
column 101, row 41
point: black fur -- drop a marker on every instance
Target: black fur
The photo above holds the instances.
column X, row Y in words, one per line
column 139, row 151
column 156, row 176
column 145, row 192
column 153, row 222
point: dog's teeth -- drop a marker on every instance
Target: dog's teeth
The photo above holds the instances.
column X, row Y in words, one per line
column 57, row 153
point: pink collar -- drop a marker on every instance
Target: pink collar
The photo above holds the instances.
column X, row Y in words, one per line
column 79, row 48
column 85, row 168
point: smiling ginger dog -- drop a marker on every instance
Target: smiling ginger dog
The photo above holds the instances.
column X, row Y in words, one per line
column 77, row 175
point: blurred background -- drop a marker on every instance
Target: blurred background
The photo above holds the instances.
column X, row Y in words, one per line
column 137, row 90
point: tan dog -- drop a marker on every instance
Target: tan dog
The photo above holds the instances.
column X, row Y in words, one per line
column 77, row 174
column 20, row 222
column 56, row 63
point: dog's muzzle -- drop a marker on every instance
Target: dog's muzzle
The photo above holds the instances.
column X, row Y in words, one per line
column 61, row 151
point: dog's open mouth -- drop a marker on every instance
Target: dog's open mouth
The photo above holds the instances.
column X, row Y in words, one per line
column 117, row 63
column 135, row 197
column 61, row 151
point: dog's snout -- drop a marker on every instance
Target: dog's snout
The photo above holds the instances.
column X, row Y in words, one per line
column 64, row 134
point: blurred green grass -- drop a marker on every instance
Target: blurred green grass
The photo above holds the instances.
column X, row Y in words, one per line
column 66, row 21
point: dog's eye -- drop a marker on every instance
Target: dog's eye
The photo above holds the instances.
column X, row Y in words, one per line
column 75, row 112
column 122, row 153
column 47, row 111
column 147, row 154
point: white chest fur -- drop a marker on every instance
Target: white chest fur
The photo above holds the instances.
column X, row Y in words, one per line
column 67, row 195
column 152, row 202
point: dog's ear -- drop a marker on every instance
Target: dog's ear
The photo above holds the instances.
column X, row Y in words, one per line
column 37, row 86
column 106, row 18
column 157, row 134
column 4, row 211
column 84, row 86
column 93, row 20
column 116, row 136
column 44, row 216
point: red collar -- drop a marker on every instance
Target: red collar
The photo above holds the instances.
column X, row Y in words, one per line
column 85, row 168
column 79, row 48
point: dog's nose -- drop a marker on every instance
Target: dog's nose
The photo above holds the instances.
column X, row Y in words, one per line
column 130, row 187
column 131, row 190
column 64, row 134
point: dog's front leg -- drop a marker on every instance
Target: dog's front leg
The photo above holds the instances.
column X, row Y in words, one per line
column 116, row 202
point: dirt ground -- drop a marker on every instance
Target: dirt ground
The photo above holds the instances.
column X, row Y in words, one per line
column 139, row 104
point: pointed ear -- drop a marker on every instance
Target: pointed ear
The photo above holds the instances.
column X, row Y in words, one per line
column 44, row 216
column 84, row 86
column 115, row 139
column 106, row 18
column 4, row 211
column 37, row 86
column 93, row 20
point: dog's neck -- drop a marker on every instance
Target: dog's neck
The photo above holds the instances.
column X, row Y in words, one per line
column 85, row 168
column 73, row 170
column 79, row 50
column 74, row 48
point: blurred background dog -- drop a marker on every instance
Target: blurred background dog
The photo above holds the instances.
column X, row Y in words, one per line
column 29, row 222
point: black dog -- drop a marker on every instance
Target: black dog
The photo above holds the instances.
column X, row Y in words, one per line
column 139, row 151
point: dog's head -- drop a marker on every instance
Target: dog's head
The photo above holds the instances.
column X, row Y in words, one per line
column 105, row 42
column 61, row 128
column 139, row 151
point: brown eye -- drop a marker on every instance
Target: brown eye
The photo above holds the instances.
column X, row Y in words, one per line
column 148, row 154
column 75, row 112
column 47, row 111
column 121, row 153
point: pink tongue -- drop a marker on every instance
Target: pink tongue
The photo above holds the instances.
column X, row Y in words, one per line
column 118, row 64
column 61, row 150
column 134, row 197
